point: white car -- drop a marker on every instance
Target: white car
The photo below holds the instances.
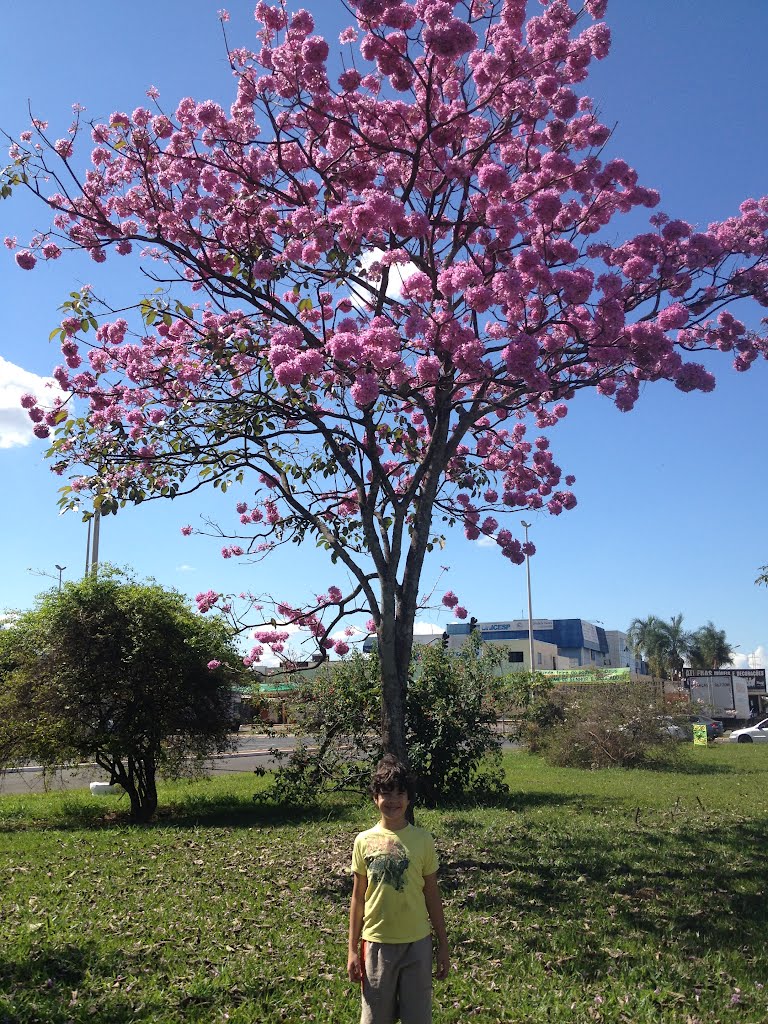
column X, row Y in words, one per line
column 754, row 734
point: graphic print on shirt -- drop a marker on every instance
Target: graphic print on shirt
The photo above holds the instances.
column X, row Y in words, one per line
column 387, row 861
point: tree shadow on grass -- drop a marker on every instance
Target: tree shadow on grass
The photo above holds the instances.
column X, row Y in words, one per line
column 51, row 985
column 217, row 812
column 518, row 801
column 576, row 897
column 690, row 766
column 70, row 984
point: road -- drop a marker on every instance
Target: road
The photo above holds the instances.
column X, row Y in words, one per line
column 252, row 752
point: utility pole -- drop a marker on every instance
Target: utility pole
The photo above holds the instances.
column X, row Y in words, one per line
column 95, row 550
column 530, row 606
column 61, row 569
column 92, row 551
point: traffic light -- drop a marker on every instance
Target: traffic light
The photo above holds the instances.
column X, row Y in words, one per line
column 472, row 624
column 445, row 640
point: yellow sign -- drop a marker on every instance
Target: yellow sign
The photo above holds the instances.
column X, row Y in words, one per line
column 700, row 735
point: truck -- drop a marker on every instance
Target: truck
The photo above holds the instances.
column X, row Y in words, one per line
column 722, row 692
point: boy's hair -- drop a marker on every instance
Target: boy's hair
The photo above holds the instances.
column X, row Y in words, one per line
column 391, row 774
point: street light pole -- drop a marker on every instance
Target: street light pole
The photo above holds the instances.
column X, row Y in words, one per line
column 530, row 606
column 61, row 569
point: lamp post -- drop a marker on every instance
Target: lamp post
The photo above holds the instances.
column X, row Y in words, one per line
column 530, row 607
column 61, row 569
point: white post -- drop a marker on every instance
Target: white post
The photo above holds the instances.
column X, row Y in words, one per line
column 94, row 568
column 530, row 607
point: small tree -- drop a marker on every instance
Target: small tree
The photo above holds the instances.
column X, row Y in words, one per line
column 119, row 672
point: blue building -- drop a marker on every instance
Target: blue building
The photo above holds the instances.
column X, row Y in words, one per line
column 581, row 643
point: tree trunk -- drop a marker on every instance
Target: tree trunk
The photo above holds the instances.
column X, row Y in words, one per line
column 139, row 781
column 394, row 688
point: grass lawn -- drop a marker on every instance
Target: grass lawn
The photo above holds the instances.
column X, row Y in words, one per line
column 613, row 896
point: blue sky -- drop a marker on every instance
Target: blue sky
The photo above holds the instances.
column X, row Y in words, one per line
column 671, row 496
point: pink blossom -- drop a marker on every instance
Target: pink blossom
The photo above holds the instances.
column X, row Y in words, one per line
column 672, row 317
column 341, row 648
column 450, row 39
column 450, row 600
column 315, row 50
column 365, row 390
column 186, row 530
column 213, row 664
column 460, row 612
column 428, row 369
column 25, row 259
column 302, row 22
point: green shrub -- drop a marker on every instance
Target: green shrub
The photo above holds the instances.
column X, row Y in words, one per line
column 451, row 713
column 603, row 725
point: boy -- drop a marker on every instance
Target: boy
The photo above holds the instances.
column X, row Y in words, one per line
column 394, row 899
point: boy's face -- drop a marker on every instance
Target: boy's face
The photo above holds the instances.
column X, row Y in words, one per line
column 392, row 804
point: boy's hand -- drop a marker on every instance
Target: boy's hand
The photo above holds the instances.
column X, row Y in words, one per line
column 442, row 962
column 354, row 968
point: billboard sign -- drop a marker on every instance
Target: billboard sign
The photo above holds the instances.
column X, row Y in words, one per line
column 588, row 675
column 515, row 626
column 589, row 632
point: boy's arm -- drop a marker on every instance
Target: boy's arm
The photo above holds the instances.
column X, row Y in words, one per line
column 356, row 907
column 435, row 910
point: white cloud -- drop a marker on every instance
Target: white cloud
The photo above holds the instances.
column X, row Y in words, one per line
column 427, row 629
column 15, row 424
column 398, row 275
column 485, row 541
column 185, row 568
column 755, row 659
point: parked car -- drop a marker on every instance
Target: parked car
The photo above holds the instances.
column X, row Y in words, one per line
column 672, row 727
column 752, row 734
column 714, row 726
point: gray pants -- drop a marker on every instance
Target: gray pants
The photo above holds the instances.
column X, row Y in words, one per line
column 397, row 982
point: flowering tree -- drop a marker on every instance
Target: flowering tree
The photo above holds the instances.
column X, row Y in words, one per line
column 371, row 283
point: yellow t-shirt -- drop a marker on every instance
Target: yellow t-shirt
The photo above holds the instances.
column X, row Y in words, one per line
column 395, row 864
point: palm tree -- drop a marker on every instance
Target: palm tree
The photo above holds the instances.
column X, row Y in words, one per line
column 664, row 645
column 644, row 637
column 677, row 644
column 709, row 648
